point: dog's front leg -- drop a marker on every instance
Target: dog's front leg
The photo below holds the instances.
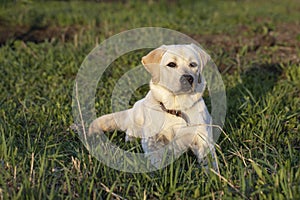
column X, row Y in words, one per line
column 204, row 149
column 110, row 122
column 200, row 141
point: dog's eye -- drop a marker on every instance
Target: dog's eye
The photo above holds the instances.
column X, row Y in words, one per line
column 171, row 64
column 193, row 64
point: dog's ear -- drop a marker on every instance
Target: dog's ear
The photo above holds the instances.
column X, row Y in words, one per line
column 204, row 57
column 152, row 63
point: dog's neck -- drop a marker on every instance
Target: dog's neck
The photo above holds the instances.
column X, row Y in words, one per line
column 177, row 113
column 172, row 101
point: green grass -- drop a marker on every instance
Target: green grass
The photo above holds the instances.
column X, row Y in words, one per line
column 186, row 16
column 40, row 157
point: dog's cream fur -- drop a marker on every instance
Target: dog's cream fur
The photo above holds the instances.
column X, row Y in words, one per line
column 158, row 128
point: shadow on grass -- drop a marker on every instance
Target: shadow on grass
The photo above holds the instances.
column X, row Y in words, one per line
column 253, row 85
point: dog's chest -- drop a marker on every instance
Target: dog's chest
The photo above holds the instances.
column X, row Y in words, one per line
column 150, row 120
column 168, row 124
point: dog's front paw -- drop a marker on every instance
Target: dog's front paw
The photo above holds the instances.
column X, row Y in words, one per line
column 209, row 163
column 94, row 128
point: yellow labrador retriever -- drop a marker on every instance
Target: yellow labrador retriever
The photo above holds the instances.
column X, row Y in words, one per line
column 173, row 114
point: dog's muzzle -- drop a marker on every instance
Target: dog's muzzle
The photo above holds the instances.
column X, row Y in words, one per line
column 186, row 82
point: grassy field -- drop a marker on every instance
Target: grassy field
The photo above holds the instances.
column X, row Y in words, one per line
column 255, row 44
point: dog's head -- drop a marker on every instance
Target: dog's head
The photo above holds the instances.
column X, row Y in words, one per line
column 177, row 67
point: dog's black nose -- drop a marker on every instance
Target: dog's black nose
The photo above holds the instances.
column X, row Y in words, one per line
column 186, row 79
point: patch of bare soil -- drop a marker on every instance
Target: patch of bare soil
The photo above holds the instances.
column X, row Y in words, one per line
column 36, row 34
column 281, row 45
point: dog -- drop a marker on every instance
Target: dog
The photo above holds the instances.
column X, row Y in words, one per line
column 173, row 115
